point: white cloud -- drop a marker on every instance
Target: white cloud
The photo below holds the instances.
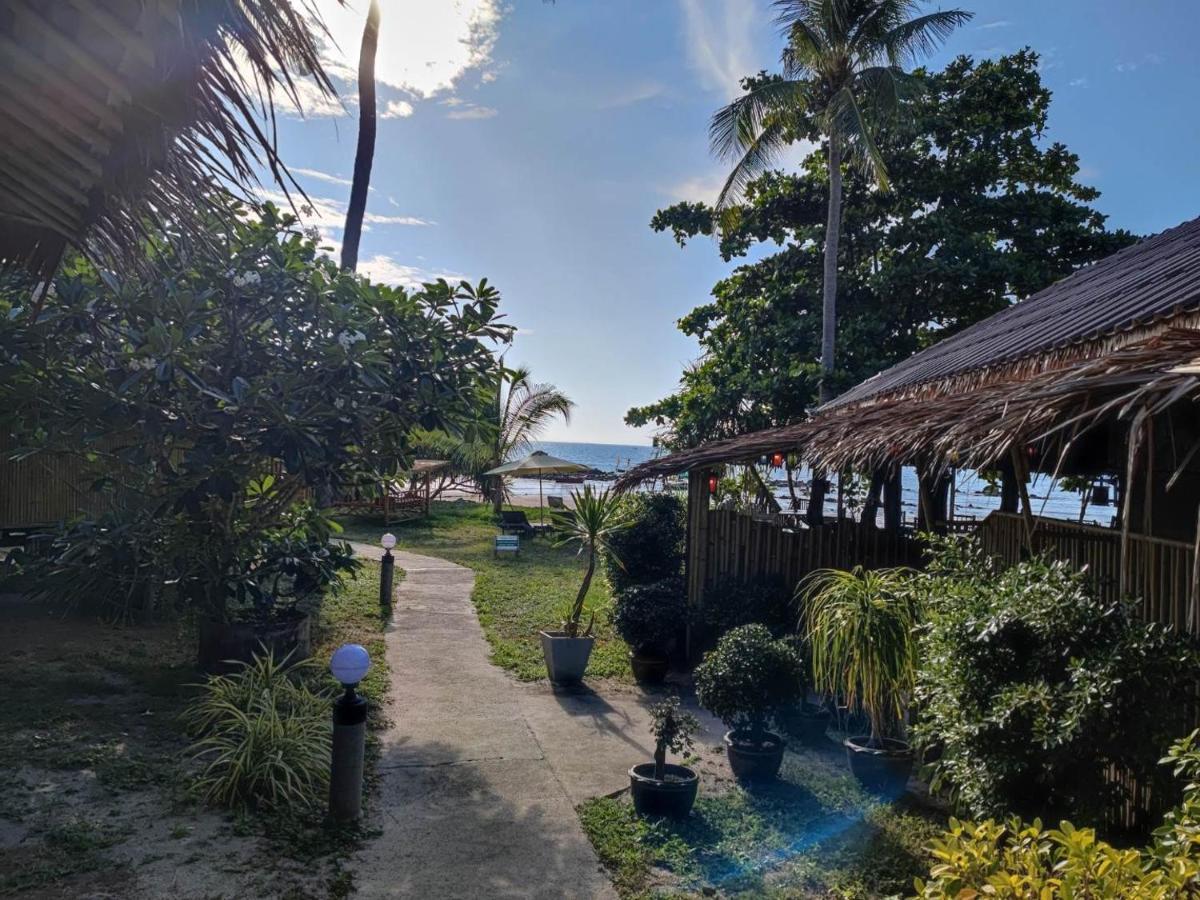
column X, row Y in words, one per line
column 309, row 102
column 464, row 109
column 397, row 109
column 329, row 215
column 387, row 270
column 633, row 94
column 425, row 46
column 1150, row 59
column 1078, row 82
column 720, row 41
column 987, row 26
column 705, row 188
column 321, row 176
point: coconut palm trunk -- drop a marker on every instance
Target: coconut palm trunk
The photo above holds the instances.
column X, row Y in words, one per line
column 833, row 233
column 364, row 154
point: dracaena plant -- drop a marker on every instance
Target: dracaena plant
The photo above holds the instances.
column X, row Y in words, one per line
column 862, row 635
column 598, row 515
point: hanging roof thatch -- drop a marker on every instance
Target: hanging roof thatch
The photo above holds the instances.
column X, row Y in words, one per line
column 1116, row 340
column 112, row 111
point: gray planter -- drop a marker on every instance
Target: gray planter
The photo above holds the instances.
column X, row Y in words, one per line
column 566, row 657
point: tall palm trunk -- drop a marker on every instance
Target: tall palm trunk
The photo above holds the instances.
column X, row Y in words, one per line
column 364, row 155
column 833, row 233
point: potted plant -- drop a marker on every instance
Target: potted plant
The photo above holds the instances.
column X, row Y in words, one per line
column 648, row 617
column 744, row 682
column 808, row 720
column 596, row 517
column 861, row 628
column 658, row 788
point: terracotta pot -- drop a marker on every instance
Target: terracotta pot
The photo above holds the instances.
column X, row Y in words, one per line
column 224, row 644
column 673, row 796
column 882, row 767
column 754, row 761
column 566, row 657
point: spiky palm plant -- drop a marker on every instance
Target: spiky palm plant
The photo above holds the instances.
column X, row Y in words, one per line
column 843, row 66
column 597, row 516
column 861, row 628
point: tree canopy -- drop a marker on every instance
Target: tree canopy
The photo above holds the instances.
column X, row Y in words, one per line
column 982, row 211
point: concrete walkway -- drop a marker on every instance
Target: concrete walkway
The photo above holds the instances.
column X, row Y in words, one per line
column 470, row 803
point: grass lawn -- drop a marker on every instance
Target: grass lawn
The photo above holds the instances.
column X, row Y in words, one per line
column 514, row 596
column 814, row 834
column 94, row 777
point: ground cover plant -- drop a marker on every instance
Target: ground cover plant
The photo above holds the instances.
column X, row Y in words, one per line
column 1015, row 859
column 95, row 790
column 1030, row 686
column 514, row 597
column 812, row 834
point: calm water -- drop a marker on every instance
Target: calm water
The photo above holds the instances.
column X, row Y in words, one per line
column 969, row 502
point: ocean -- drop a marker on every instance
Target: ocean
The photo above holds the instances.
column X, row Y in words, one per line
column 970, row 501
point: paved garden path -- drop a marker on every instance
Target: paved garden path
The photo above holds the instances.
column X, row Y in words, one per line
column 471, row 802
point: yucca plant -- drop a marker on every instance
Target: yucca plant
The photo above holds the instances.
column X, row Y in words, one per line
column 263, row 736
column 598, row 515
column 861, row 630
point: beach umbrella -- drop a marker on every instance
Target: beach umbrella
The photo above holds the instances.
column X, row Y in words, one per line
column 538, row 463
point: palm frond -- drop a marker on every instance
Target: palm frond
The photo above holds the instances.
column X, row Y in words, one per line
column 846, row 120
column 909, row 41
column 759, row 156
column 137, row 131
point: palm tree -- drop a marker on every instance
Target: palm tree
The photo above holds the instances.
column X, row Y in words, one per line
column 843, row 66
column 364, row 154
column 523, row 410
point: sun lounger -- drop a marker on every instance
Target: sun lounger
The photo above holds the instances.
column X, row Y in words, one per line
column 514, row 521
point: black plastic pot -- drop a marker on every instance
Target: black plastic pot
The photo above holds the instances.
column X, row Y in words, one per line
column 649, row 667
column 751, row 760
column 807, row 723
column 224, row 644
column 672, row 797
column 881, row 766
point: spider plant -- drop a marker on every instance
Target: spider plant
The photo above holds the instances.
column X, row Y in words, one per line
column 861, row 630
column 598, row 515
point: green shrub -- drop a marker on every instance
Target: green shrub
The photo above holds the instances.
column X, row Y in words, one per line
column 649, row 616
column 673, row 730
column 263, row 737
column 651, row 549
column 732, row 602
column 1030, row 687
column 1019, row 860
column 748, row 678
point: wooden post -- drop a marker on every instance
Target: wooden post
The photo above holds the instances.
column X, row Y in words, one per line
column 871, row 504
column 1020, row 467
column 893, row 509
column 1136, row 436
column 816, row 499
column 695, row 551
column 1009, row 495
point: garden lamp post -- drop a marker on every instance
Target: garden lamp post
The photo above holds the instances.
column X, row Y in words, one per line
column 389, row 567
column 349, row 666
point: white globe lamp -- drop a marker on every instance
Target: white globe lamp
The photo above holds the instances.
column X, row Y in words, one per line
column 349, row 664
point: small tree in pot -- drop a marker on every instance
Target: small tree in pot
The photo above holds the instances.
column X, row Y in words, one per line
column 658, row 788
column 596, row 517
column 744, row 682
column 648, row 617
column 861, row 628
column 807, row 720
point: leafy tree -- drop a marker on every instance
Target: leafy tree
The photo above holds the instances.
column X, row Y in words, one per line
column 237, row 372
column 842, row 74
column 982, row 211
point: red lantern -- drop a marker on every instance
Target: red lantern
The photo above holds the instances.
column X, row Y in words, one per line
column 713, row 483
column 777, row 460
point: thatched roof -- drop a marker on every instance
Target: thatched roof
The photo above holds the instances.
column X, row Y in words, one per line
column 1117, row 341
column 115, row 110
column 1154, row 279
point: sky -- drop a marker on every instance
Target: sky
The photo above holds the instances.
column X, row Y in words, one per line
column 530, row 143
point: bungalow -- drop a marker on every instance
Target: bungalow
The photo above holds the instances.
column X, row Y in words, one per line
column 1096, row 376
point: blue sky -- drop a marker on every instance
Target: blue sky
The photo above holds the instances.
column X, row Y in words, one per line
column 531, row 143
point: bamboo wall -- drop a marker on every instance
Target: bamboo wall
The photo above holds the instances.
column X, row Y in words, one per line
column 45, row 489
